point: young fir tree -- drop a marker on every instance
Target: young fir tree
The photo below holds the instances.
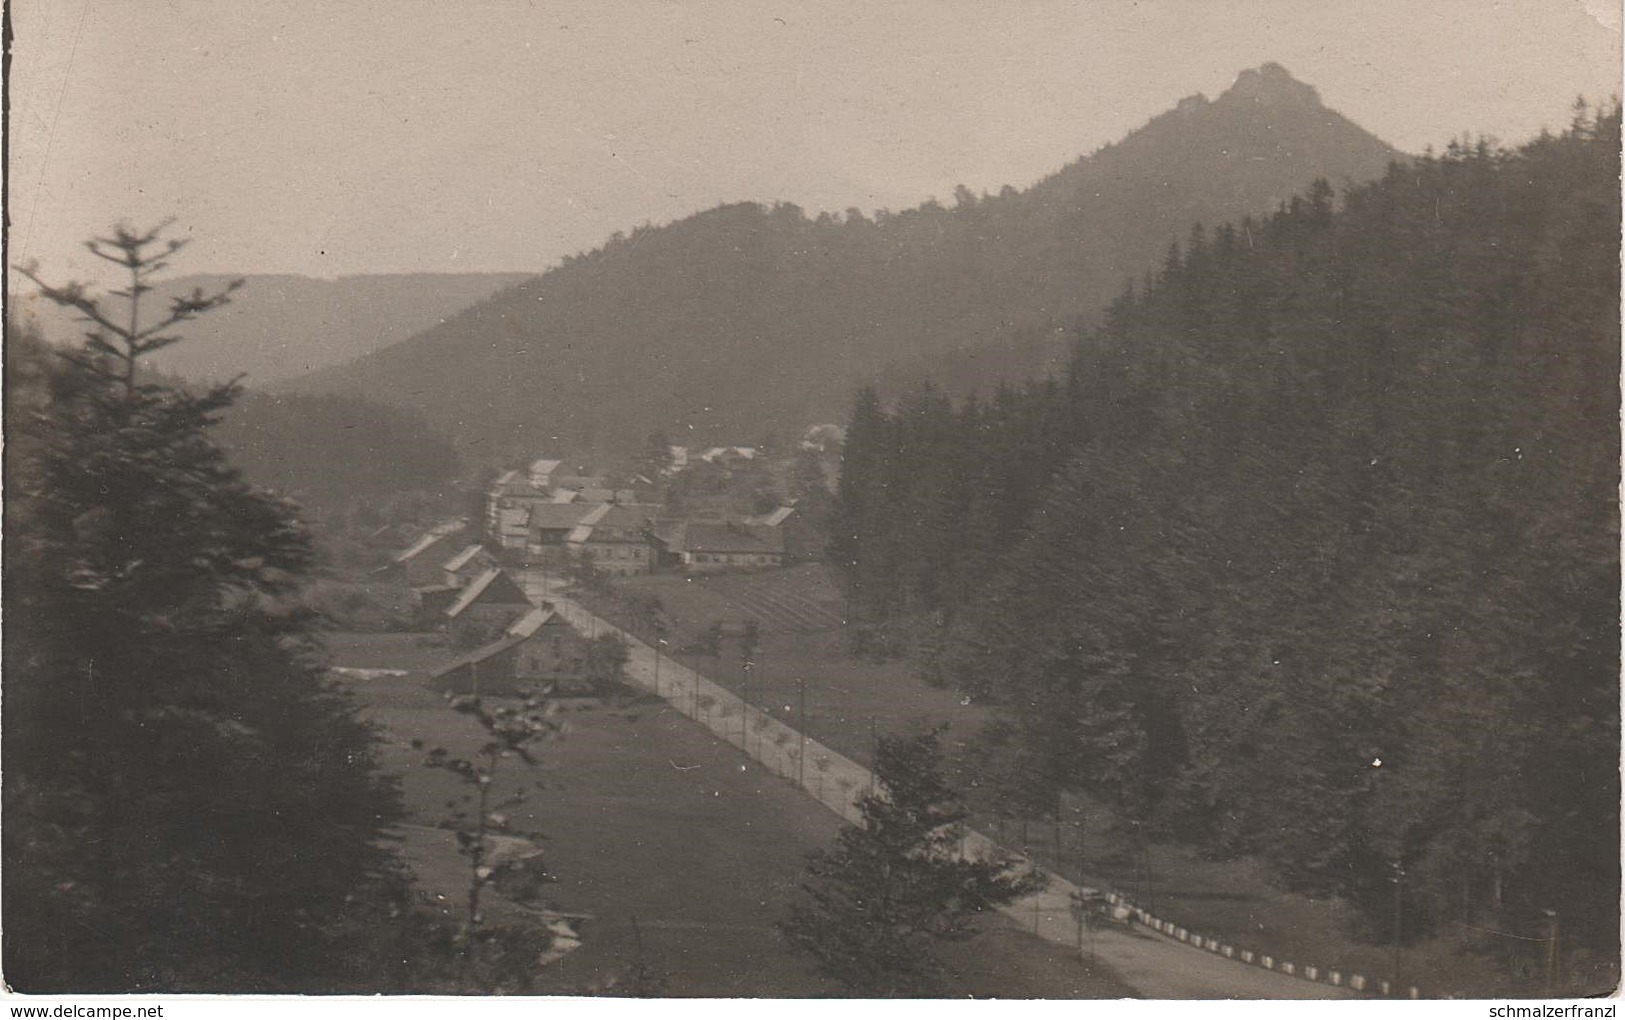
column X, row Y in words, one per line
column 188, row 806
column 895, row 885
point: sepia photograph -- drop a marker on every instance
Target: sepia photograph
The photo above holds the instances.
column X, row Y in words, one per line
column 745, row 500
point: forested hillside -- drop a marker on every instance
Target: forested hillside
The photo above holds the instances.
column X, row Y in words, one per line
column 744, row 319
column 324, row 451
column 1314, row 554
column 279, row 326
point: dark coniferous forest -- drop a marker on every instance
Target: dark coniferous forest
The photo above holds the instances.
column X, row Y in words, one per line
column 1313, row 553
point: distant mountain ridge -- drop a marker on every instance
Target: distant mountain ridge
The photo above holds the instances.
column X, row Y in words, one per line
column 279, row 326
column 744, row 319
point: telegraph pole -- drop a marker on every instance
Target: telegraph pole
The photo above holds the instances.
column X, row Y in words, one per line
column 874, row 753
column 801, row 759
column 1399, row 918
column 1551, row 953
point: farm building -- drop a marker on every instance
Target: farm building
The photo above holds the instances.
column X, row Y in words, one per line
column 799, row 541
column 488, row 604
column 433, row 601
column 507, row 507
column 705, row 546
column 616, row 538
column 466, row 566
column 540, row 651
column 551, row 525
column 541, row 471
column 419, row 563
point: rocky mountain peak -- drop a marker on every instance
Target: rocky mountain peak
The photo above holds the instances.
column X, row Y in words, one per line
column 1271, row 85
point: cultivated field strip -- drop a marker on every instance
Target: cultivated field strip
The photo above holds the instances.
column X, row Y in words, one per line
column 1159, row 967
column 774, row 603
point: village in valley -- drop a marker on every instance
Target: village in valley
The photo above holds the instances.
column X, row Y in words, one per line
column 695, row 500
column 482, row 581
column 680, row 618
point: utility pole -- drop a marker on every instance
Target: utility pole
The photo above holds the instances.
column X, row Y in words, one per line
column 1399, row 918
column 1058, row 852
column 874, row 752
column 744, row 703
column 1083, row 837
column 1551, row 952
column 801, row 759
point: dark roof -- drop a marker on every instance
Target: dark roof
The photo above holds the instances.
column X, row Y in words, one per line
column 515, row 486
column 492, row 586
column 527, row 626
column 480, row 654
column 558, row 516
column 700, row 536
column 462, row 559
column 434, row 536
column 774, row 519
column 611, row 515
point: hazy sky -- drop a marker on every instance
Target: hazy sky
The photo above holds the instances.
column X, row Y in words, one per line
column 351, row 136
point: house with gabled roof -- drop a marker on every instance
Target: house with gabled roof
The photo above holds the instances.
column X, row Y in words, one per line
column 702, row 546
column 433, row 601
column 550, row 524
column 540, row 651
column 616, row 538
column 513, row 527
column 487, row 604
column 419, row 563
column 605, row 495
column 541, row 471
column 801, row 541
column 773, row 519
column 507, row 504
column 469, row 563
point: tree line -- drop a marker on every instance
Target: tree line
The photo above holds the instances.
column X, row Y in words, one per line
column 1313, row 552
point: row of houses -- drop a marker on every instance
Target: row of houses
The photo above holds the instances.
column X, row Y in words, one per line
column 682, row 457
column 532, row 516
column 464, row 594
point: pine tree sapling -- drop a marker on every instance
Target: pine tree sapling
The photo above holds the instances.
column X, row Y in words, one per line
column 486, row 830
column 895, row 884
column 497, row 956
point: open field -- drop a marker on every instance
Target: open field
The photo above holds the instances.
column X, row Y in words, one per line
column 847, row 700
column 680, row 848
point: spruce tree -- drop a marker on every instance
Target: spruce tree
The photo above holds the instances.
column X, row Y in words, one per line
column 188, row 805
column 895, row 884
